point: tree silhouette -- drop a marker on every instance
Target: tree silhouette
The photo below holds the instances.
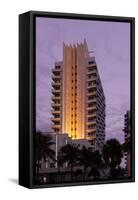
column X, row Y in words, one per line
column 92, row 160
column 69, row 154
column 112, row 154
column 43, row 149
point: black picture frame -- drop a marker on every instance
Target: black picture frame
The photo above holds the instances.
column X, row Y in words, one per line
column 27, row 93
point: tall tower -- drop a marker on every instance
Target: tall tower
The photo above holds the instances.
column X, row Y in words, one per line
column 78, row 101
column 128, row 141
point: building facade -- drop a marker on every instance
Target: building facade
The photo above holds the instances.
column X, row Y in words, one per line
column 78, row 101
column 127, row 138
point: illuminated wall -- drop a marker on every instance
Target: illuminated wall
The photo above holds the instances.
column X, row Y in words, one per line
column 73, row 90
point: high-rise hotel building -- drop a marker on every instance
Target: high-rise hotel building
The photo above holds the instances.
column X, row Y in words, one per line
column 78, row 101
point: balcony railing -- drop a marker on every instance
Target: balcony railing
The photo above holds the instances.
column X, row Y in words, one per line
column 90, row 130
column 55, row 111
column 91, row 100
column 56, row 126
column 91, row 86
column 91, row 114
column 56, row 91
column 90, row 123
column 56, row 98
column 92, row 79
column 56, row 70
column 54, row 84
column 91, row 108
column 91, row 93
column 55, row 104
column 56, row 76
column 89, row 137
column 92, row 71
column 55, row 119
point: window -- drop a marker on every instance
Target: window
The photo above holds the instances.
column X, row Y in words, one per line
column 57, row 123
column 91, row 62
column 57, row 108
column 57, row 81
column 57, row 95
column 57, row 67
column 57, row 101
column 90, row 69
column 56, row 116
column 57, row 73
column 56, row 129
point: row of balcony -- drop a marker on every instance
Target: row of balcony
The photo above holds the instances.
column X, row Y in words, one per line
column 93, row 78
column 54, row 84
column 92, row 72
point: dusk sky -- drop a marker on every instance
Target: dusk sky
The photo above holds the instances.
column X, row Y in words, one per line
column 110, row 42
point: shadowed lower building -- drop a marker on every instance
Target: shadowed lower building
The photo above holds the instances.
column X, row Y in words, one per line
column 78, row 101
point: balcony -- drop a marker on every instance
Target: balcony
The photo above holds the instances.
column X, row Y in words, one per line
column 55, row 119
column 89, row 137
column 56, row 98
column 56, row 126
column 55, row 77
column 56, row 91
column 55, row 112
column 91, row 93
column 54, row 84
column 91, row 100
column 91, row 71
column 55, row 105
column 90, row 123
column 90, row 130
column 56, row 70
column 94, row 78
column 91, row 114
column 91, row 86
column 91, row 108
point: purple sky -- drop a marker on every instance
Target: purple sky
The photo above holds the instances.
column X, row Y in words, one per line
column 110, row 42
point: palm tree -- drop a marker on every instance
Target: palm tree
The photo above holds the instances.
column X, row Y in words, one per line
column 43, row 149
column 96, row 164
column 112, row 154
column 85, row 159
column 92, row 160
column 69, row 154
